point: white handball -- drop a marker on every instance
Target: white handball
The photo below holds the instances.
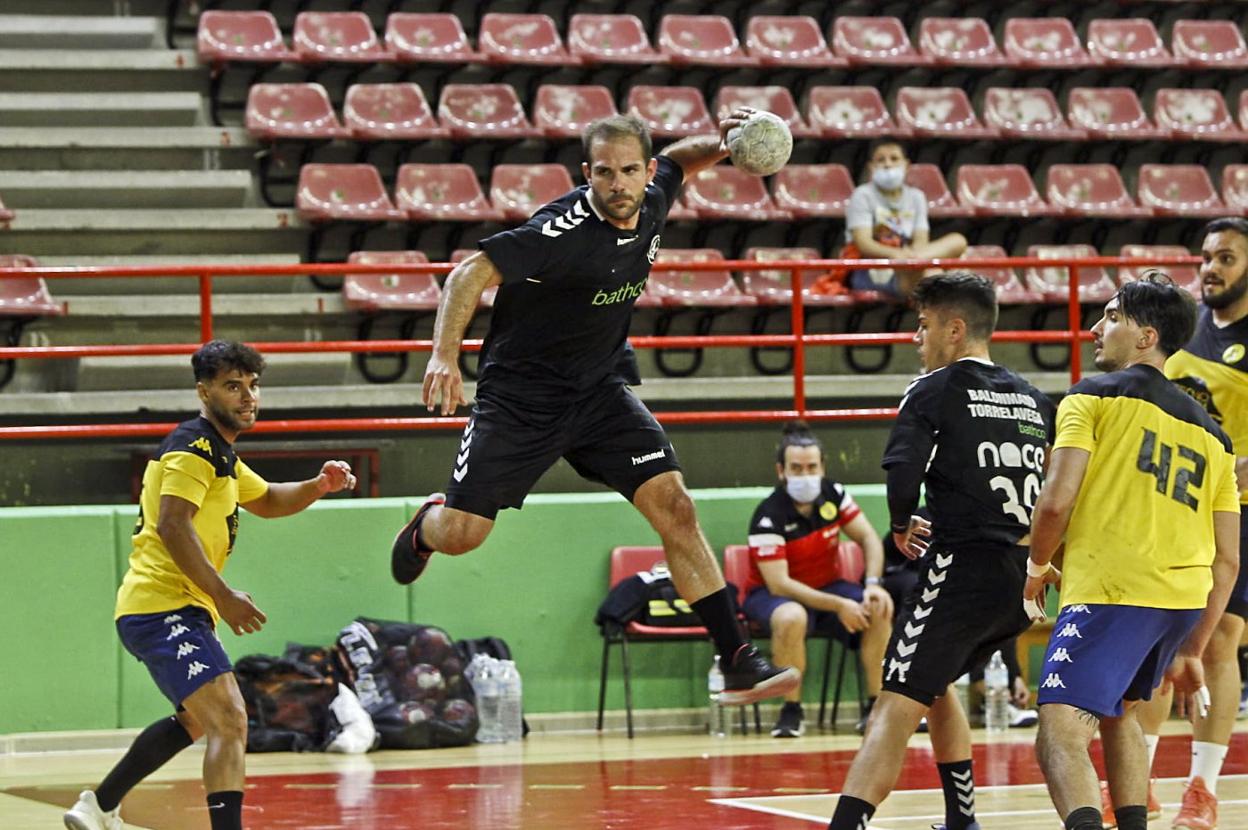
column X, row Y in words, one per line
column 760, row 146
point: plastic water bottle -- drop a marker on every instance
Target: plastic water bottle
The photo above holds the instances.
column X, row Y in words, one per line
column 717, row 717
column 485, row 684
column 511, row 717
column 996, row 695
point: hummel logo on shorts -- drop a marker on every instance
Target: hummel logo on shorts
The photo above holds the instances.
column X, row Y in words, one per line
column 1070, row 630
column 1053, row 682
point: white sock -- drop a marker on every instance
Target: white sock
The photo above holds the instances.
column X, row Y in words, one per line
column 1207, row 763
column 1152, row 741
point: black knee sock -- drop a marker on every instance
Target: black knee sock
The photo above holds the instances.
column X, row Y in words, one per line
column 851, row 814
column 959, row 786
column 717, row 614
column 155, row 745
column 1134, row 817
column 1084, row 818
column 225, row 810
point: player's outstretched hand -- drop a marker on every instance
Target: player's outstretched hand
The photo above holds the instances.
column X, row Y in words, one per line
column 444, row 384
column 913, row 543
column 1187, row 675
column 239, row 612
column 733, row 119
column 335, row 476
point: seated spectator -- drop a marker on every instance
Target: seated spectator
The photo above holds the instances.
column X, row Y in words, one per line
column 886, row 219
column 794, row 587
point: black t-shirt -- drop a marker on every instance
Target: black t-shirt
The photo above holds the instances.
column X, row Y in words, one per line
column 560, row 323
column 975, row 434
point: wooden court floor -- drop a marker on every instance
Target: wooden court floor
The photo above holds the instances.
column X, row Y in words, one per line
column 556, row 781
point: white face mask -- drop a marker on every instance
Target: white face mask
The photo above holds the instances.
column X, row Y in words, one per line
column 888, row 178
column 803, row 489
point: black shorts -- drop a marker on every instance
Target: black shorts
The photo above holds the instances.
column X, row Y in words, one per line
column 965, row 606
column 609, row 437
column 1238, row 603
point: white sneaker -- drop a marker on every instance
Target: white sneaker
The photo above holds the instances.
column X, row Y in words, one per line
column 1020, row 718
column 87, row 815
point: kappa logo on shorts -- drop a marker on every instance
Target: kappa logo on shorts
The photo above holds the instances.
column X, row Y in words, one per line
column 195, row 668
column 1061, row 655
column 186, row 648
column 1070, row 630
column 172, row 618
column 1079, row 609
column 1053, row 681
column 177, row 631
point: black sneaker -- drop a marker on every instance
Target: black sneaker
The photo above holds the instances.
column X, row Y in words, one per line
column 750, row 677
column 407, row 559
column 861, row 726
column 789, row 724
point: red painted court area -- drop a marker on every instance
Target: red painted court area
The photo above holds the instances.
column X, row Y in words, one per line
column 664, row 794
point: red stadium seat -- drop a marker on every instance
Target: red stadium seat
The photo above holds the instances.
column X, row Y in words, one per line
column 390, row 112
column 789, row 40
column 1029, row 113
column 1095, row 284
column 1000, row 190
column 724, row 192
column 1243, row 110
column 940, row 202
column 1195, row 114
column 490, row 111
column 695, row 288
column 1129, row 42
column 25, row 296
column 1010, row 288
column 398, row 292
column 812, row 190
column 611, row 38
column 671, row 111
column 522, row 39
column 1209, row 43
column 850, row 112
column 959, row 41
column 1091, row 190
column 337, row 37
column 1187, row 276
column 442, row 193
column 428, row 38
column 518, row 190
column 1044, row 42
column 773, row 99
column 1235, row 188
column 350, row 192
column 939, row 112
column 240, row 37
column 1112, row 113
column 291, row 111
column 874, row 41
column 6, row 215
column 774, row 288
column 680, row 212
column 1179, row 190
column 701, row 40
column 565, row 111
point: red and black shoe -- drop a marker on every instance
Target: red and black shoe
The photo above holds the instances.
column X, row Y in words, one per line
column 750, row 677
column 407, row 557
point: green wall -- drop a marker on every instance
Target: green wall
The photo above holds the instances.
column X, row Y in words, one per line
column 536, row 582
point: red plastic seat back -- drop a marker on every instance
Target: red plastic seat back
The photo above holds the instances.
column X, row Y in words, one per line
column 1089, row 188
column 791, row 40
column 929, row 179
column 240, row 36
column 693, row 288
column 775, row 287
column 1235, row 188
column 341, row 191
column 671, row 111
column 1178, row 189
column 336, row 36
column 700, row 40
column 1095, row 284
column 774, row 99
column 868, row 40
column 1044, row 41
column 849, row 110
column 813, row 189
column 1029, row 111
column 25, row 296
column 428, row 38
column 630, row 560
column 1187, row 276
column 959, row 41
column 442, row 192
column 737, row 569
column 290, row 111
column 521, row 39
column 1199, row 112
column 565, row 111
column 482, row 111
column 372, row 292
column 518, row 190
column 610, row 38
column 1110, row 110
column 1127, row 42
column 1005, row 189
column 945, row 110
column 1209, row 43
column 379, row 110
column 1005, row 278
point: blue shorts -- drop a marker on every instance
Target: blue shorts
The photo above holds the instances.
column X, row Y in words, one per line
column 180, row 649
column 760, row 604
column 1100, row 655
column 1238, row 603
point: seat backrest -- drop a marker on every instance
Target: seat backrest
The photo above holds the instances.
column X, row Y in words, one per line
column 871, row 39
column 671, row 111
column 1086, row 187
column 1057, row 278
column 725, row 185
column 434, row 189
column 566, row 111
column 1043, row 40
column 1209, row 42
column 1192, row 110
column 996, row 186
column 333, row 36
column 946, row 109
column 1177, row 187
column 1107, row 109
column 480, row 108
column 289, row 110
column 930, row 179
column 1125, row 41
column 604, row 38
column 774, row 99
column 1004, row 278
column 697, row 38
column 785, row 39
column 428, row 38
column 853, row 563
column 691, row 287
column 1023, row 110
column 776, row 285
column 241, row 36
column 632, row 559
column 520, row 189
column 387, row 106
column 520, row 38
column 820, row 189
column 25, row 296
column 1235, row 187
column 397, row 291
column 956, row 40
column 341, row 186
column 1187, row 276
column 737, row 569
column 848, row 109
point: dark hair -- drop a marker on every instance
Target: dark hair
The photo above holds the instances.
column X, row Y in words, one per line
column 614, row 127
column 1155, row 301
column 972, row 297
column 886, row 142
column 1228, row 223
column 796, row 433
column 217, row 356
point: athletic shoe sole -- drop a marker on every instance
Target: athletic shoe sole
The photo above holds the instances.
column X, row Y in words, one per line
column 774, row 686
column 407, row 563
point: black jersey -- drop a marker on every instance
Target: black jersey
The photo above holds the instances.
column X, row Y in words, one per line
column 570, row 278
column 975, row 434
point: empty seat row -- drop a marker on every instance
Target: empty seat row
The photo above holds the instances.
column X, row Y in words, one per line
column 710, row 40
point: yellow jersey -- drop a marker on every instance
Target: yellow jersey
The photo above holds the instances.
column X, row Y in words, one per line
column 194, row 463
column 1142, row 529
column 1213, row 369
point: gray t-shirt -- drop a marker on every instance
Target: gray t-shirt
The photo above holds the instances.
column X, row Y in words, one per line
column 903, row 217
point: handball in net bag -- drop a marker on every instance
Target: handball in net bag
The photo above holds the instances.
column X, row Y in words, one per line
column 760, row 146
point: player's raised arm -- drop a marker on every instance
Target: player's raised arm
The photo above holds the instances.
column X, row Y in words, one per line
column 698, row 152
column 289, row 497
column 460, row 297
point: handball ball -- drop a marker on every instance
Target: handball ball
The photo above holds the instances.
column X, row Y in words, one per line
column 761, row 145
column 415, row 712
column 458, row 713
column 424, row 682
